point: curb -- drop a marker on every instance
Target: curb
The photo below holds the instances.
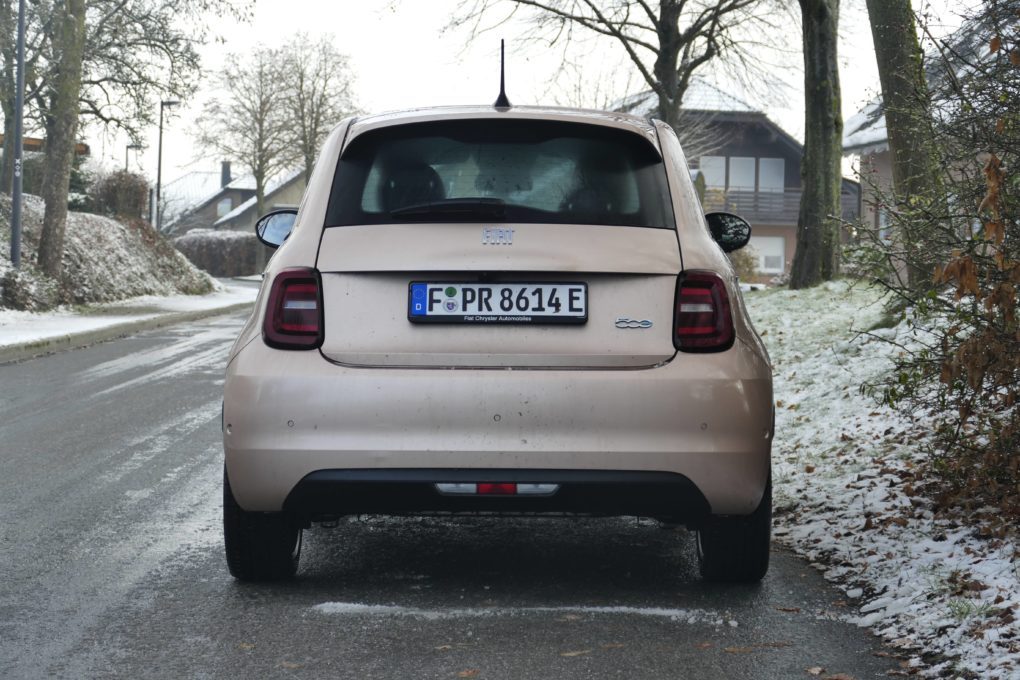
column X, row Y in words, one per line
column 60, row 343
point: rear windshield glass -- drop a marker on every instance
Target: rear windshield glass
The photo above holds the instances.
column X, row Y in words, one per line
column 502, row 171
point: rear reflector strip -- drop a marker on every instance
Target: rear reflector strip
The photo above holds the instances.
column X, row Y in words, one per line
column 496, row 489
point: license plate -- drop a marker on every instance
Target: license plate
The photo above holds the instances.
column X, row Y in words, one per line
column 506, row 303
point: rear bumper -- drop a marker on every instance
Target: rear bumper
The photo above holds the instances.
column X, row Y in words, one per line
column 293, row 422
column 663, row 495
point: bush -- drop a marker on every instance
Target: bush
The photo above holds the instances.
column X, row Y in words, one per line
column 120, row 194
column 964, row 370
column 745, row 263
column 220, row 252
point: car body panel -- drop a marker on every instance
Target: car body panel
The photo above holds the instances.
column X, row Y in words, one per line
column 535, row 248
column 288, row 414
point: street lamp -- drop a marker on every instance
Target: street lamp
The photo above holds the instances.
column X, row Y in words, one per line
column 159, row 159
column 18, row 146
column 126, row 149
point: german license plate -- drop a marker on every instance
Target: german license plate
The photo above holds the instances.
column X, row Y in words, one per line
column 505, row 303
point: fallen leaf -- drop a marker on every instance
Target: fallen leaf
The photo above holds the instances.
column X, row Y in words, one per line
column 994, row 44
column 469, row 673
column 809, row 469
column 289, row 665
column 738, row 650
column 613, row 645
column 704, row 645
column 792, row 610
column 815, row 670
column 580, row 652
column 443, row 648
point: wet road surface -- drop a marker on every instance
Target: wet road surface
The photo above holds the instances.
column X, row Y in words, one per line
column 111, row 561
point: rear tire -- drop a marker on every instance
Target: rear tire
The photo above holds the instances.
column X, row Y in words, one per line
column 736, row 549
column 260, row 546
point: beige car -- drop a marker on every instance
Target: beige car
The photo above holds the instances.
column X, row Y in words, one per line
column 499, row 310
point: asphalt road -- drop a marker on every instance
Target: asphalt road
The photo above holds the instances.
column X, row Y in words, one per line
column 111, row 561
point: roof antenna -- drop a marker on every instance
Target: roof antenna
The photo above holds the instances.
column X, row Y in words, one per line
column 501, row 101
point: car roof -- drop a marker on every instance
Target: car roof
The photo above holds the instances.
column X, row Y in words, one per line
column 621, row 121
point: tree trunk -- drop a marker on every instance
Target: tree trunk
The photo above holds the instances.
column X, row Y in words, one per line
column 916, row 179
column 817, row 255
column 61, row 126
column 666, row 61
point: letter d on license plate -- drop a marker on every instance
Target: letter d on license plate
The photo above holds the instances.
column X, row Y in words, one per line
column 512, row 303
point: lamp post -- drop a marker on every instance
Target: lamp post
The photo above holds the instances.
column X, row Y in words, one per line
column 159, row 159
column 126, row 149
column 17, row 146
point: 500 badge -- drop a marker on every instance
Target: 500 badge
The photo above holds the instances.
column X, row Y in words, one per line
column 624, row 322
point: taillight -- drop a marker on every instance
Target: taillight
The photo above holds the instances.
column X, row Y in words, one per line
column 703, row 321
column 294, row 313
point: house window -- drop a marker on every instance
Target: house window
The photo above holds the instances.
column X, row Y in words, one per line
column 771, row 174
column 224, row 206
column 741, row 173
column 713, row 169
column 771, row 252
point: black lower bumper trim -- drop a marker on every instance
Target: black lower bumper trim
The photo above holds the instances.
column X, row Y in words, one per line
column 331, row 493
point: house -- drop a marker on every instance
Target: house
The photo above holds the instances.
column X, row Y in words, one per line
column 283, row 191
column 752, row 169
column 865, row 135
column 199, row 198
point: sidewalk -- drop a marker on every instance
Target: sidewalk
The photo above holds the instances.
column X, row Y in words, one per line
column 27, row 334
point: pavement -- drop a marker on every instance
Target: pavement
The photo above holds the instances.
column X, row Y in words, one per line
column 24, row 335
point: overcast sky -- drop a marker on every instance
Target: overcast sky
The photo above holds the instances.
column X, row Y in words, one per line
column 402, row 59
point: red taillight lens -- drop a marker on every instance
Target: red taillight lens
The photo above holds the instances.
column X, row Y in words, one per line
column 703, row 321
column 294, row 313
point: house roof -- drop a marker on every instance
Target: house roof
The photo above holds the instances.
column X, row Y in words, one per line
column 704, row 97
column 36, row 144
column 194, row 190
column 272, row 186
column 866, row 132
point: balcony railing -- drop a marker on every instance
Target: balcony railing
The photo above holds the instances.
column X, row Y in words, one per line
column 768, row 207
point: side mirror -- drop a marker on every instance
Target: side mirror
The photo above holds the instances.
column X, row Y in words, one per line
column 730, row 231
column 274, row 228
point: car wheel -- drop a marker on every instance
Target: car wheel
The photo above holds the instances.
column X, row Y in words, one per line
column 736, row 549
column 260, row 546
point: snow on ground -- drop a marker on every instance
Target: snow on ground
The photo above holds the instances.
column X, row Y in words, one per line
column 941, row 591
column 17, row 327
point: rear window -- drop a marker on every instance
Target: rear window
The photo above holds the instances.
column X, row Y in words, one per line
column 500, row 171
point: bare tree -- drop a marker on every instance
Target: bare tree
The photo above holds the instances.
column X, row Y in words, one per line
column 817, row 255
column 667, row 43
column 249, row 120
column 105, row 59
column 321, row 92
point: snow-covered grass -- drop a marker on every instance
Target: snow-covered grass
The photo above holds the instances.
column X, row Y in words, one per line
column 21, row 327
column 942, row 589
column 104, row 260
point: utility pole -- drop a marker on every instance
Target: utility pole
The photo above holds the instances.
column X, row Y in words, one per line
column 159, row 158
column 19, row 133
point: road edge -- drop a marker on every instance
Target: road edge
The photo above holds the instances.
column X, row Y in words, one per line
column 60, row 343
